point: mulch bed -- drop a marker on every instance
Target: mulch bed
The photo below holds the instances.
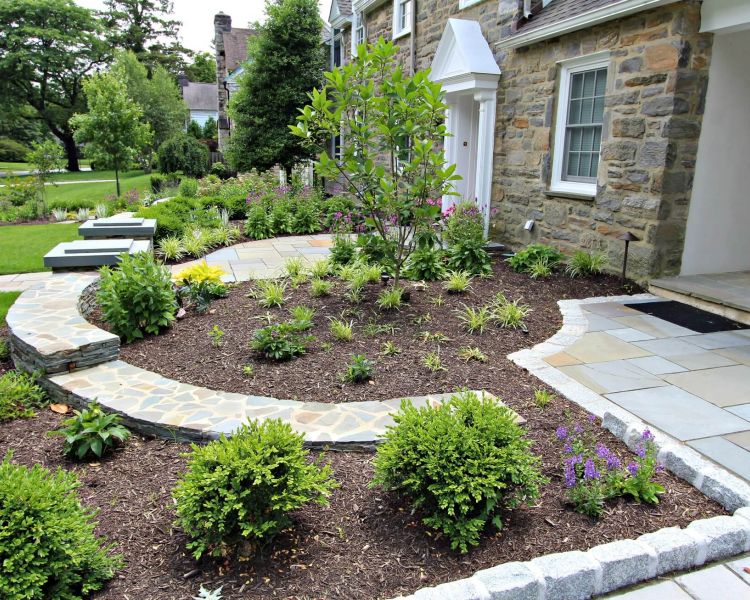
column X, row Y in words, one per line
column 366, row 544
column 184, row 352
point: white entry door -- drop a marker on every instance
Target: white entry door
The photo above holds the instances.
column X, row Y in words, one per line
column 461, row 147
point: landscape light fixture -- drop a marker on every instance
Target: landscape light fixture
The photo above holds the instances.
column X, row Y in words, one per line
column 627, row 237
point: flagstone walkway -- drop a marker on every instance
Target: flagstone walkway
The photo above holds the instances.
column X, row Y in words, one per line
column 694, row 387
column 264, row 259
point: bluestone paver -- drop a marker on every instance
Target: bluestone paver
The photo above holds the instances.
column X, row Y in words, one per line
column 665, row 590
column 725, row 452
column 714, row 583
column 723, row 386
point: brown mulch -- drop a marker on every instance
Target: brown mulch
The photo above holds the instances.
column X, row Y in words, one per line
column 366, row 544
column 185, row 352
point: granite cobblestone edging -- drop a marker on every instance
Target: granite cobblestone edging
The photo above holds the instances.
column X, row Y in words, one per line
column 48, row 332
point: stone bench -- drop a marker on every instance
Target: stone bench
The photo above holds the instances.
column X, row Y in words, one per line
column 48, row 333
column 118, row 227
column 92, row 253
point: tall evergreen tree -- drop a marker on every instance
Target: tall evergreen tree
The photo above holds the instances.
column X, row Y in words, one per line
column 47, row 47
column 286, row 61
column 145, row 27
column 202, row 69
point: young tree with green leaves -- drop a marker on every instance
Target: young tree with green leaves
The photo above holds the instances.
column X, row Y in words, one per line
column 286, row 60
column 202, row 69
column 46, row 158
column 112, row 129
column 392, row 158
column 145, row 27
column 159, row 98
column 47, row 47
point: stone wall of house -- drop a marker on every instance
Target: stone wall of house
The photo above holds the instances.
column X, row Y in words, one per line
column 656, row 87
column 222, row 23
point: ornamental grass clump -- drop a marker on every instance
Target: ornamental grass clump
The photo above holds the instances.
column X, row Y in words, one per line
column 47, row 544
column 595, row 474
column 137, row 297
column 462, row 463
column 237, row 492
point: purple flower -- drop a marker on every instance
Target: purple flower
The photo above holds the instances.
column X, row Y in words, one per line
column 633, row 469
column 576, row 459
column 591, row 418
column 562, row 433
column 602, row 451
column 589, row 470
column 577, row 428
column 640, row 451
column 659, row 468
column 613, row 462
column 647, row 435
column 570, row 476
column 568, row 448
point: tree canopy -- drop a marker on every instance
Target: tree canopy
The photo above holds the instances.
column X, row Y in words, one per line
column 112, row 128
column 145, row 27
column 286, row 61
column 162, row 106
column 47, row 47
column 202, row 69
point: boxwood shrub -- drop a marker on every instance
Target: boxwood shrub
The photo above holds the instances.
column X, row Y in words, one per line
column 240, row 490
column 48, row 549
column 462, row 463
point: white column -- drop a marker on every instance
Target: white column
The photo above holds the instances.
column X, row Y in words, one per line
column 449, row 152
column 485, row 147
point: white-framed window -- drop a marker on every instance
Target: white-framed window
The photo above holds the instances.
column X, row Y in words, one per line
column 578, row 125
column 401, row 18
column 358, row 31
column 467, row 3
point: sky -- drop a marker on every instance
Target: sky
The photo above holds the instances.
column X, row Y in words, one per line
column 197, row 17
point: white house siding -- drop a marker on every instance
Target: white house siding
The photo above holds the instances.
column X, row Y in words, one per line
column 718, row 229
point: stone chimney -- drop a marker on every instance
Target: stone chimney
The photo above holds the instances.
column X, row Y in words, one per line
column 182, row 81
column 222, row 25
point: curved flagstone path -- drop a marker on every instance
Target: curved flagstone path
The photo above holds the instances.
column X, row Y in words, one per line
column 264, row 259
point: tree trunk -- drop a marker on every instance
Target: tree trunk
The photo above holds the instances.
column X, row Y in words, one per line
column 71, row 151
column 117, row 179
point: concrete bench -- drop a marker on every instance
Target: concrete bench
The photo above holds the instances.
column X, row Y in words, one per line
column 92, row 253
column 118, row 227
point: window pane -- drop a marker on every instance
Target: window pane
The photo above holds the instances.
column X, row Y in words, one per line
column 587, row 139
column 594, row 164
column 588, row 83
column 574, row 112
column 573, row 162
column 576, row 85
column 598, row 110
column 587, row 107
column 601, row 82
column 597, row 139
column 575, row 140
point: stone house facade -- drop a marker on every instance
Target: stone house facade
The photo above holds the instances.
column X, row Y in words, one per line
column 636, row 72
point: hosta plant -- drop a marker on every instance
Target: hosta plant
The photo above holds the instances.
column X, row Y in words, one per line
column 282, row 341
column 462, row 464
column 359, row 370
column 238, row 492
column 92, row 432
column 137, row 297
column 524, row 260
column 48, row 548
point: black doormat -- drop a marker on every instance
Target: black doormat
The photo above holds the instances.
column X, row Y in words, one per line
column 688, row 316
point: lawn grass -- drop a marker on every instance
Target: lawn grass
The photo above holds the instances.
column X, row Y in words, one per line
column 22, row 166
column 91, row 194
column 6, row 299
column 22, row 247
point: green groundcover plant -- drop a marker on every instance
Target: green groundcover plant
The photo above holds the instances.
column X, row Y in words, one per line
column 462, row 463
column 240, row 490
column 20, row 395
column 48, row 550
column 91, row 432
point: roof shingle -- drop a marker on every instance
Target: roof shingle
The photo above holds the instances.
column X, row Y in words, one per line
column 201, row 96
column 235, row 46
column 559, row 10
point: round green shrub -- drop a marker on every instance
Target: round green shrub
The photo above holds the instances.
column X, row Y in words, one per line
column 189, row 188
column 462, row 463
column 240, row 490
column 12, row 151
column 137, row 296
column 183, row 153
column 48, row 549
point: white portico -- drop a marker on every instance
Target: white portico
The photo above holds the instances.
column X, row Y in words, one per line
column 467, row 70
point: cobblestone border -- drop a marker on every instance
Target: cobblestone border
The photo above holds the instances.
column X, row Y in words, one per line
column 579, row 575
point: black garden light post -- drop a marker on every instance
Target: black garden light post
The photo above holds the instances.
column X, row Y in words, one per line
column 627, row 237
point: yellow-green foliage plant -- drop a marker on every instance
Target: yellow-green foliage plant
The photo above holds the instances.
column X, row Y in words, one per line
column 200, row 273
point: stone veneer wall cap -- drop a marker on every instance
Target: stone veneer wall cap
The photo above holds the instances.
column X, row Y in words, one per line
column 723, row 536
column 624, row 562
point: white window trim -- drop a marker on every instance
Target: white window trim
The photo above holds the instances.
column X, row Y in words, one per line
column 355, row 26
column 467, row 3
column 399, row 33
column 583, row 63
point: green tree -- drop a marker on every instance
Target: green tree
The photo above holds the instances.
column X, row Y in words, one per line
column 210, row 129
column 112, row 128
column 392, row 157
column 286, row 61
column 145, row 28
column 202, row 69
column 162, row 106
column 47, row 47
column 46, row 158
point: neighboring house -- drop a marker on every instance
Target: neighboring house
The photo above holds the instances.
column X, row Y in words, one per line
column 201, row 100
column 589, row 117
column 231, row 53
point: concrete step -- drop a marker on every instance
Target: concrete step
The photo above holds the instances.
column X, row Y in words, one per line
column 724, row 294
column 118, row 226
column 92, row 253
